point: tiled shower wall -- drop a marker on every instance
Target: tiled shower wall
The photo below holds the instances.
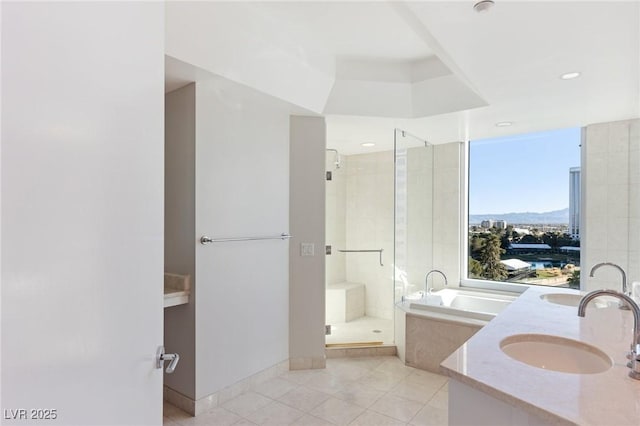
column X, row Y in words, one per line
column 360, row 217
column 336, row 218
column 369, row 225
column 447, row 210
column 611, row 204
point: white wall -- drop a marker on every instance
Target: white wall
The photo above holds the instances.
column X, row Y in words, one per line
column 611, row 217
column 307, row 273
column 180, row 233
column 82, row 210
column 242, row 189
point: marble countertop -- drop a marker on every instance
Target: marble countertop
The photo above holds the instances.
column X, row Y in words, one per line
column 608, row 398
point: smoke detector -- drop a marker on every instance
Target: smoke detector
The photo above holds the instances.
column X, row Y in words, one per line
column 483, row 5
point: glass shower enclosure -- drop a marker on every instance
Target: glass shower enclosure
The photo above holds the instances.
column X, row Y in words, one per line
column 378, row 236
column 413, row 213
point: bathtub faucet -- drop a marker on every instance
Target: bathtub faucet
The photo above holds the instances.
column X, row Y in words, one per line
column 426, row 280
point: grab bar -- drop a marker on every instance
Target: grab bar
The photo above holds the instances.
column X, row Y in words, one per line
column 208, row 240
column 365, row 251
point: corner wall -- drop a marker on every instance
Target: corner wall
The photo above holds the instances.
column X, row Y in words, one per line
column 307, row 224
column 242, row 190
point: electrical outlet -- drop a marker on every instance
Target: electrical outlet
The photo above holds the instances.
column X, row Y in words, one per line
column 327, row 250
column 327, row 329
column 307, row 249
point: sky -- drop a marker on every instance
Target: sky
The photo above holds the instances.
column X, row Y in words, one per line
column 522, row 173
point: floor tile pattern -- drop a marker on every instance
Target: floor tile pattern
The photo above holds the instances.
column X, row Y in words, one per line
column 367, row 391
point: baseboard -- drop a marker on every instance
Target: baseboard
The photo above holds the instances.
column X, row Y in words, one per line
column 307, row 363
column 179, row 400
column 201, row 405
column 375, row 350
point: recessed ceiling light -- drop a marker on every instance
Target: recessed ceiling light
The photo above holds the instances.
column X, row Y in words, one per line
column 368, row 144
column 570, row 75
column 504, row 124
column 483, row 5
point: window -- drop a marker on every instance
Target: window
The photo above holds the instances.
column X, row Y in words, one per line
column 524, row 209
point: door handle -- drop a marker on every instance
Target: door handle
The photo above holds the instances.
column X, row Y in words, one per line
column 161, row 357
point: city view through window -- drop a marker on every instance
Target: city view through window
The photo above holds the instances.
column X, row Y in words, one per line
column 524, row 208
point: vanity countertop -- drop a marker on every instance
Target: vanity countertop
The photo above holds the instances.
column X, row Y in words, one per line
column 608, row 398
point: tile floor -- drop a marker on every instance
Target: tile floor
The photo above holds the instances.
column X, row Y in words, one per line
column 363, row 329
column 350, row 391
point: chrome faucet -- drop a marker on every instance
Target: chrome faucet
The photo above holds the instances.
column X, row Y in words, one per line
column 624, row 276
column 624, row 279
column 634, row 355
column 426, row 280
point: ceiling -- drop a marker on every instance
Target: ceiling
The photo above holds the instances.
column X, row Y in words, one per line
column 439, row 70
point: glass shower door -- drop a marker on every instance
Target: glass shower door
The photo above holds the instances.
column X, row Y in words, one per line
column 359, row 235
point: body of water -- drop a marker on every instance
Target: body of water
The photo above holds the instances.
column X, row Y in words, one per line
column 541, row 264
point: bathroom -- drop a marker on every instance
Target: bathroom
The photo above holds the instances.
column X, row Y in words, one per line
column 84, row 141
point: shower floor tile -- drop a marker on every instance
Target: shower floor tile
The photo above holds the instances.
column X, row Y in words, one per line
column 363, row 329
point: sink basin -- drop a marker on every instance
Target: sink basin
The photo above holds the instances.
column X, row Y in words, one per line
column 568, row 299
column 556, row 353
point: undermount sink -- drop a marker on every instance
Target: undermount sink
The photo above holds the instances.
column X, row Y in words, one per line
column 568, row 299
column 556, row 353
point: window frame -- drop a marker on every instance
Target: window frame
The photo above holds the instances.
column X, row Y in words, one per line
column 474, row 283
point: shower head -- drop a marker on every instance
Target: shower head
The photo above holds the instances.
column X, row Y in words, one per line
column 337, row 160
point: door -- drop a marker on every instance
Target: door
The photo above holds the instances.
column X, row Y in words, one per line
column 82, row 213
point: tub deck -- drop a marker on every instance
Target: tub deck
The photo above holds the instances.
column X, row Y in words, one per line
column 465, row 304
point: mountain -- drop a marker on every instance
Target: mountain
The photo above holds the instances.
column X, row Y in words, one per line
column 545, row 218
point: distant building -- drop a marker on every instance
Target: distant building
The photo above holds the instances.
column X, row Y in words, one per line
column 569, row 249
column 487, row 223
column 574, row 202
column 514, row 265
column 501, row 224
column 519, row 248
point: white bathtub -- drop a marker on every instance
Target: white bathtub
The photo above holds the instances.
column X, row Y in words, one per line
column 427, row 334
column 483, row 306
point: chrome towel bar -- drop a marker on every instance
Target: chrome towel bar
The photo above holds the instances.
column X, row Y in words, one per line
column 208, row 240
column 365, row 251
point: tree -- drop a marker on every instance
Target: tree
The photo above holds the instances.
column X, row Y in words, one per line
column 551, row 238
column 505, row 242
column 476, row 244
column 475, row 268
column 574, row 279
column 490, row 259
column 530, row 239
